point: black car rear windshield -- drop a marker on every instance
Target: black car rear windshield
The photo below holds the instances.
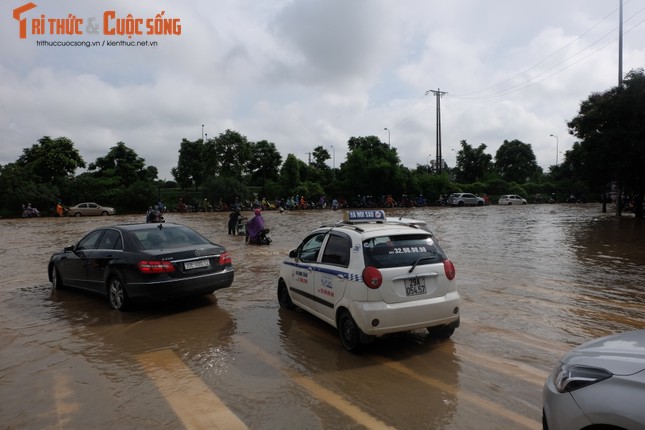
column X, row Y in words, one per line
column 168, row 237
column 402, row 250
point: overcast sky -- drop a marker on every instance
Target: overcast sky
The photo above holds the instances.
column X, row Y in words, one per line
column 304, row 73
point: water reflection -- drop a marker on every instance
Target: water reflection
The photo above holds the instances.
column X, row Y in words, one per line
column 534, row 280
column 426, row 397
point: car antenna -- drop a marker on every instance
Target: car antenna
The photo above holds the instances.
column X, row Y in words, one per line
column 160, row 226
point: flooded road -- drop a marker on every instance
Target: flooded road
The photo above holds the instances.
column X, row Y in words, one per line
column 535, row 281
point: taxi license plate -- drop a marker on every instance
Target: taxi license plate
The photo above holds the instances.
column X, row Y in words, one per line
column 415, row 286
column 196, row 264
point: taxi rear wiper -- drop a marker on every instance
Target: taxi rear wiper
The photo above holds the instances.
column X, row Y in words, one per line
column 420, row 259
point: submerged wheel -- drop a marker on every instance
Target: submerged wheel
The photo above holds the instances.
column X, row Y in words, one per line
column 57, row 281
column 350, row 334
column 117, row 296
column 283, row 296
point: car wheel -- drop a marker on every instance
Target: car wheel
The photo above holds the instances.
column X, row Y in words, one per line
column 117, row 295
column 78, row 214
column 57, row 281
column 442, row 331
column 460, row 203
column 509, row 203
column 350, row 334
column 104, row 213
column 283, row 296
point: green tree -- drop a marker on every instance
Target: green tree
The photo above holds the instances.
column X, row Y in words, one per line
column 319, row 171
column 515, row 161
column 611, row 129
column 321, row 155
column 290, row 174
column 372, row 167
column 191, row 169
column 122, row 164
column 18, row 187
column 51, row 161
column 119, row 178
column 228, row 155
column 265, row 161
column 472, row 164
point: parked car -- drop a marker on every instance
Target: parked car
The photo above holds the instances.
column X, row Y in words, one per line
column 134, row 262
column 90, row 208
column 511, row 199
column 465, row 199
column 368, row 277
column 600, row 384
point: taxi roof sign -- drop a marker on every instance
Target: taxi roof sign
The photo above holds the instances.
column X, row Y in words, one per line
column 355, row 216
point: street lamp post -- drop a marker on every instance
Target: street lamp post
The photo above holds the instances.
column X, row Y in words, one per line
column 333, row 162
column 557, row 143
column 202, row 133
column 388, row 135
column 428, row 162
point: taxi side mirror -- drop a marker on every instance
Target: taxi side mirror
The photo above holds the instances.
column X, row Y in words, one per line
column 293, row 253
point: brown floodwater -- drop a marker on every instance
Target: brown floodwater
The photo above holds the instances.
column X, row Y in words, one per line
column 535, row 281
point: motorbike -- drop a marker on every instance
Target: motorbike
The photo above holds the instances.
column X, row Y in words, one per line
column 240, row 228
column 262, row 238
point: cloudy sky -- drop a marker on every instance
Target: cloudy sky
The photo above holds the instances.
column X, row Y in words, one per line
column 304, row 73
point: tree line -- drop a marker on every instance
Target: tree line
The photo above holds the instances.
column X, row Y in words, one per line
column 606, row 160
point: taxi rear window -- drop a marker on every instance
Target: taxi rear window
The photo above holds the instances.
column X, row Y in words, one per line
column 402, row 250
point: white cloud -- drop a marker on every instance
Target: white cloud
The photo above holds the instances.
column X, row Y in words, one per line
column 303, row 73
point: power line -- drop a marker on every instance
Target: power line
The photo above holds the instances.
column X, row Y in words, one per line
column 534, row 80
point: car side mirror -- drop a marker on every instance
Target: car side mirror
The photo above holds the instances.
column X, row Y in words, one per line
column 293, row 253
column 69, row 248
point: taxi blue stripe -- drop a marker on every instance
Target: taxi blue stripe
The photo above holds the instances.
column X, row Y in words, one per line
column 347, row 275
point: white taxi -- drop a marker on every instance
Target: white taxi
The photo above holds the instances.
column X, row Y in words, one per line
column 368, row 277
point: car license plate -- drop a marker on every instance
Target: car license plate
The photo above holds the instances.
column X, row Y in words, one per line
column 196, row 264
column 415, row 286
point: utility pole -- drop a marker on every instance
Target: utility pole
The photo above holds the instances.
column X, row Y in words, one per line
column 438, row 94
column 620, row 46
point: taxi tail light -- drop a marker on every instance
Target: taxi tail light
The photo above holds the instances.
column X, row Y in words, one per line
column 155, row 266
column 449, row 268
column 225, row 258
column 372, row 277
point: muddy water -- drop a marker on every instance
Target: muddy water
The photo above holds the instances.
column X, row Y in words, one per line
column 535, row 281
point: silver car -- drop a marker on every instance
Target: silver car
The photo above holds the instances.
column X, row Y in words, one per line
column 465, row 199
column 511, row 199
column 89, row 209
column 600, row 384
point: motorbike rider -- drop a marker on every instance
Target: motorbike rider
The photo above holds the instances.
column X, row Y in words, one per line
column 154, row 215
column 233, row 219
column 255, row 231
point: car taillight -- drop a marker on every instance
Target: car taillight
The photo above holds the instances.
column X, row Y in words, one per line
column 155, row 266
column 449, row 268
column 225, row 258
column 372, row 277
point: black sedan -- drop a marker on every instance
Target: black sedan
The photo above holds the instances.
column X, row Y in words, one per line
column 132, row 262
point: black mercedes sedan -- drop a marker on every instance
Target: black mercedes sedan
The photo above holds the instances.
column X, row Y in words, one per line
column 132, row 262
